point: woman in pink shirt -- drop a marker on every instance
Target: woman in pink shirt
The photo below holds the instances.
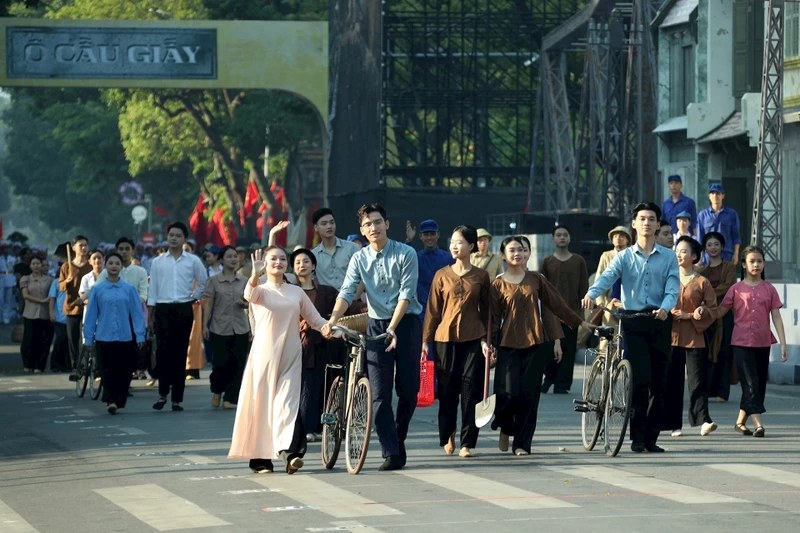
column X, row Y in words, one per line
column 753, row 300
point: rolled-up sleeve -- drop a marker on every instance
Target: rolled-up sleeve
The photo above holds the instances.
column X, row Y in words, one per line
column 409, row 275
column 351, row 280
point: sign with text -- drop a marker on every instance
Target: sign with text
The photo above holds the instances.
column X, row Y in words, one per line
column 97, row 53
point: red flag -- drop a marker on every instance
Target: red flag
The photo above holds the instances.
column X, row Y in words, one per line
column 221, row 233
column 160, row 211
column 250, row 199
column 198, row 222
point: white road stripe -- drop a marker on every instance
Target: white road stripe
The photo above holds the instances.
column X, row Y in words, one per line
column 84, row 412
column 197, row 459
column 648, row 485
column 764, row 473
column 133, row 431
column 160, row 508
column 345, row 526
column 329, row 499
column 11, row 522
column 494, row 492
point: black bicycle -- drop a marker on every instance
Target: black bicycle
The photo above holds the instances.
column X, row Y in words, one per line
column 348, row 406
column 88, row 374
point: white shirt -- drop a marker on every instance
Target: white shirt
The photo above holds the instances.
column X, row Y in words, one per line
column 133, row 274
column 87, row 282
column 211, row 271
column 7, row 263
column 173, row 281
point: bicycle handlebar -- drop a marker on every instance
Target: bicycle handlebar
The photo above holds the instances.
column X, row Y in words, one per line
column 626, row 315
column 355, row 337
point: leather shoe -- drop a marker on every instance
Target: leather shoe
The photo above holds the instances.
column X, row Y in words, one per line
column 637, row 447
column 654, row 448
column 403, row 455
column 393, row 462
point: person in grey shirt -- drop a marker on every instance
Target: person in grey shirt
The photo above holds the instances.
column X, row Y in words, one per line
column 388, row 270
column 333, row 254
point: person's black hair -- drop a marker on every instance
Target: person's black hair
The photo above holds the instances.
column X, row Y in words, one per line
column 509, row 240
column 303, row 251
column 753, row 250
column 181, row 226
column 24, row 251
column 525, row 241
column 78, row 238
column 556, row 228
column 663, row 222
column 274, row 247
column 366, row 209
column 224, row 249
column 122, row 240
column 98, row 251
column 713, row 235
column 117, row 255
column 646, row 206
column 697, row 248
column 189, row 244
column 37, row 258
column 470, row 235
column 319, row 213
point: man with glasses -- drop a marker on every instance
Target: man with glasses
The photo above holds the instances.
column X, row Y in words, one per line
column 388, row 270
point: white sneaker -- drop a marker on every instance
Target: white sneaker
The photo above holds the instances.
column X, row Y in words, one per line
column 707, row 428
column 677, row 433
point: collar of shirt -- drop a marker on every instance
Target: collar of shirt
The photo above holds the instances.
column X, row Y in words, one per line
column 320, row 248
column 237, row 277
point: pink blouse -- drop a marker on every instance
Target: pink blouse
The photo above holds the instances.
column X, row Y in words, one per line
column 751, row 313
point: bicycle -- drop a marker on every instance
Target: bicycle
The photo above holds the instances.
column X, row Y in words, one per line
column 88, row 374
column 608, row 391
column 348, row 405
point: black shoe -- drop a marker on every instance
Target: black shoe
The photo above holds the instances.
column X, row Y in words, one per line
column 393, row 462
column 742, row 429
column 637, row 447
column 73, row 376
column 759, row 432
column 403, row 455
column 560, row 391
column 159, row 405
column 176, row 406
column 654, row 448
column 546, row 386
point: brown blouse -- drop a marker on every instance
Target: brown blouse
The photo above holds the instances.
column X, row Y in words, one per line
column 569, row 277
column 689, row 333
column 458, row 306
column 722, row 277
column 71, row 288
column 516, row 322
column 37, row 288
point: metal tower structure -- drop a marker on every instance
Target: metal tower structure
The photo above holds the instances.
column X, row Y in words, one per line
column 458, row 90
column 766, row 231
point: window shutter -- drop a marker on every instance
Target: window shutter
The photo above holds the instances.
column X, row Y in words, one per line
column 756, row 45
column 740, row 47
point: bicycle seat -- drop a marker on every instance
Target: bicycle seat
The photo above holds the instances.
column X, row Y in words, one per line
column 605, row 332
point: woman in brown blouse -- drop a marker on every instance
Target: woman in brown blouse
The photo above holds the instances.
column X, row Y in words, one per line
column 722, row 275
column 695, row 311
column 518, row 329
column 38, row 332
column 455, row 319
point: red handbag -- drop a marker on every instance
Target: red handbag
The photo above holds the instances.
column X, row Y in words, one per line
column 425, row 395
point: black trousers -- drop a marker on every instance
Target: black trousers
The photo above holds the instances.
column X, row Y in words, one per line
column 36, row 338
column 459, row 371
column 753, row 367
column 74, row 339
column 719, row 373
column 518, row 386
column 647, row 347
column 116, row 360
column 560, row 373
column 695, row 362
column 401, row 367
column 312, row 390
column 231, row 357
column 173, row 323
column 59, row 358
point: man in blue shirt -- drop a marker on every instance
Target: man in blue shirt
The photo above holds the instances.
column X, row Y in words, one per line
column 723, row 220
column 431, row 258
column 59, row 359
column 388, row 270
column 678, row 203
column 650, row 282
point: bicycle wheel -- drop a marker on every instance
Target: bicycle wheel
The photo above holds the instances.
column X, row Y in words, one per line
column 332, row 420
column 618, row 407
column 592, row 420
column 359, row 426
column 83, row 375
column 95, row 385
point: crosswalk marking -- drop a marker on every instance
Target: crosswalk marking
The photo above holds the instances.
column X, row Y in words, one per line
column 496, row 493
column 647, row 485
column 328, row 498
column 197, row 459
column 346, row 526
column 764, row 473
column 84, row 412
column 159, row 508
column 11, row 522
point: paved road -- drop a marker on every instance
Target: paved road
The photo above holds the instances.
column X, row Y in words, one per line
column 67, row 466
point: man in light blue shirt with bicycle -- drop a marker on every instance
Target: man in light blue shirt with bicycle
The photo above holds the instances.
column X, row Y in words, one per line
column 650, row 282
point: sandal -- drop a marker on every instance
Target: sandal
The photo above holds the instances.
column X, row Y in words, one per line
column 759, row 432
column 742, row 429
column 294, row 465
column 159, row 405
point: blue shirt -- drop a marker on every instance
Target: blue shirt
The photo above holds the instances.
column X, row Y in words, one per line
column 725, row 222
column 111, row 310
column 671, row 210
column 647, row 282
column 389, row 276
column 430, row 262
column 59, row 296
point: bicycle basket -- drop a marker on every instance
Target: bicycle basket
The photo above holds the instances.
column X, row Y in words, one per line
column 355, row 322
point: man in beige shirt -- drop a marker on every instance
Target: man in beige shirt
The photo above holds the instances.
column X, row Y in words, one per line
column 484, row 259
column 621, row 239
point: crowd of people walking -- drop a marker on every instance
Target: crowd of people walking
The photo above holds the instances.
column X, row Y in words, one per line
column 268, row 332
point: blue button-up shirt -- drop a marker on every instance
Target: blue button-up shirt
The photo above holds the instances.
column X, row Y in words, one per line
column 671, row 210
column 647, row 282
column 389, row 276
column 111, row 310
column 725, row 222
column 430, row 262
column 59, row 297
